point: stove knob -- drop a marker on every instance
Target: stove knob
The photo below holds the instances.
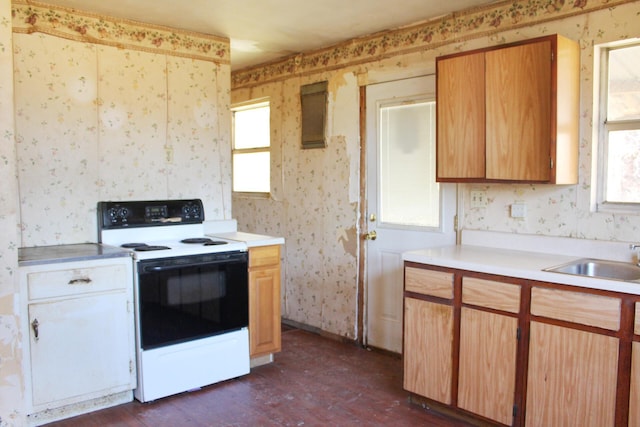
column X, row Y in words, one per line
column 123, row 213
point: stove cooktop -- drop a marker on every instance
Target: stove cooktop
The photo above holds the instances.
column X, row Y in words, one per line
column 159, row 229
column 144, row 247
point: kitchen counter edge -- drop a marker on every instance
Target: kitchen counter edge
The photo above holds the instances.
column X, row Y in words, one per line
column 38, row 255
column 513, row 263
column 250, row 239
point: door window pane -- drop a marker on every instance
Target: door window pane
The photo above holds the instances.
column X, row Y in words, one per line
column 409, row 194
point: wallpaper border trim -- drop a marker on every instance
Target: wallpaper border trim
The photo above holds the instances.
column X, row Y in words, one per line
column 31, row 17
column 456, row 27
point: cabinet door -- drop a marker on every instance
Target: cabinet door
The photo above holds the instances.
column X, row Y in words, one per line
column 571, row 378
column 82, row 348
column 428, row 348
column 264, row 311
column 460, row 110
column 487, row 374
column 518, row 107
column 634, row 399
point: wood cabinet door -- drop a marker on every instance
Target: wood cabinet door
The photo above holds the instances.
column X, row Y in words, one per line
column 428, row 349
column 460, row 115
column 487, row 373
column 82, row 348
column 264, row 311
column 634, row 398
column 518, row 112
column 572, row 377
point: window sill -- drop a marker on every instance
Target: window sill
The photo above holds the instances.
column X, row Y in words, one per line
column 248, row 195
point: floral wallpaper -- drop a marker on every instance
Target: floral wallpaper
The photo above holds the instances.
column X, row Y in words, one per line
column 96, row 122
column 453, row 28
column 30, row 16
column 315, row 202
column 11, row 389
column 86, row 118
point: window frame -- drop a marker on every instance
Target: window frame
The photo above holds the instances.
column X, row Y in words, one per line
column 244, row 106
column 604, row 126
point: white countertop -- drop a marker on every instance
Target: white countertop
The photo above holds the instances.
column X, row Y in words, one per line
column 252, row 240
column 513, row 263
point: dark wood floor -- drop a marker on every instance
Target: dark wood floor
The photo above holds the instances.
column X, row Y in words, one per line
column 314, row 381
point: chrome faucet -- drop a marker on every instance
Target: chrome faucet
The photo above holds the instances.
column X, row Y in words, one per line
column 635, row 247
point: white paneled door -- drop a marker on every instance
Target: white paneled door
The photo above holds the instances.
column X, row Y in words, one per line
column 406, row 208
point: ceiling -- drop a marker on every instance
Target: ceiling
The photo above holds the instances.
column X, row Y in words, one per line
column 265, row 30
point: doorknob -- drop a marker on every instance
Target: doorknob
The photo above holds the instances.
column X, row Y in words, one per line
column 372, row 235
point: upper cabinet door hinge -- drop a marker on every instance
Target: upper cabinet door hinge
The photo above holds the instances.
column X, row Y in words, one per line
column 553, row 58
column 550, row 162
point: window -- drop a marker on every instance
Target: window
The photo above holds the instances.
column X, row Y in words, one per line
column 409, row 193
column 251, row 148
column 619, row 129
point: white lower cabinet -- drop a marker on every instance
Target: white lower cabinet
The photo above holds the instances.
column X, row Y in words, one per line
column 79, row 337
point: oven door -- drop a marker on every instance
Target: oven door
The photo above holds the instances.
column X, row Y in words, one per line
column 191, row 297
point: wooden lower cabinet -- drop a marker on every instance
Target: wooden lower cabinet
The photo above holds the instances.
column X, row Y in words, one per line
column 634, row 399
column 572, row 377
column 514, row 352
column 487, row 376
column 428, row 349
column 264, row 300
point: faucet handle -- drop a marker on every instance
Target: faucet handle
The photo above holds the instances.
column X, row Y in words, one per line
column 636, row 247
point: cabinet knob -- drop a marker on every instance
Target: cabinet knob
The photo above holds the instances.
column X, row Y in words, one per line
column 35, row 324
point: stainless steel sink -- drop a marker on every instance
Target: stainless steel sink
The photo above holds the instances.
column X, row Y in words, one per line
column 599, row 268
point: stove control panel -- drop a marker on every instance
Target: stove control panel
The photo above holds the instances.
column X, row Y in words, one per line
column 149, row 213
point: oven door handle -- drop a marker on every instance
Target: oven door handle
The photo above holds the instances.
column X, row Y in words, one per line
column 160, row 268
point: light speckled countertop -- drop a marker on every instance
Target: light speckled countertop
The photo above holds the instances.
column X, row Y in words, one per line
column 68, row 253
column 514, row 263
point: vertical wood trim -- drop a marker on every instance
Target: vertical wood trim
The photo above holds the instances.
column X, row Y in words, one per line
column 634, row 395
column 522, row 362
column 362, row 264
column 623, row 390
column 457, row 313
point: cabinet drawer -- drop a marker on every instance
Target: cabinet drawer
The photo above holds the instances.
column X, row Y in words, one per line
column 429, row 282
column 576, row 307
column 264, row 255
column 491, row 294
column 73, row 281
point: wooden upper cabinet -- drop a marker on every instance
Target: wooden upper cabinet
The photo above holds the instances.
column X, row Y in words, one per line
column 509, row 113
column 461, row 117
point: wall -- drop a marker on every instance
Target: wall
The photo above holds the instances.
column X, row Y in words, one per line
column 104, row 109
column 11, row 387
column 315, row 201
column 130, row 121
